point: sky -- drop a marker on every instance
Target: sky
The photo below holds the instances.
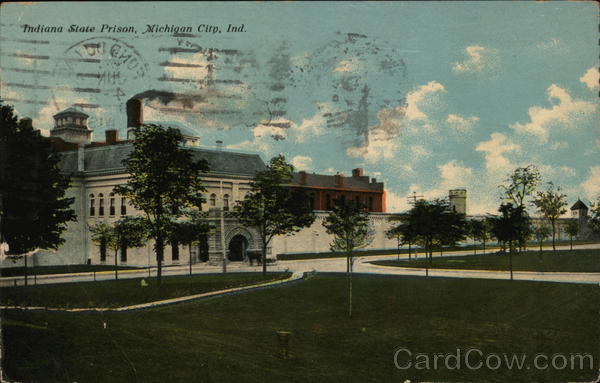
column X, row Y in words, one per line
column 425, row 96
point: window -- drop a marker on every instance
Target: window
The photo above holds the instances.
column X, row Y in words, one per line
column 123, row 206
column 213, row 200
column 92, row 205
column 103, row 251
column 100, row 204
column 111, row 206
column 123, row 253
column 174, row 250
column 226, row 202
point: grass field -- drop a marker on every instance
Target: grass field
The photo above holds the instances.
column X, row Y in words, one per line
column 233, row 338
column 563, row 260
column 62, row 269
column 125, row 292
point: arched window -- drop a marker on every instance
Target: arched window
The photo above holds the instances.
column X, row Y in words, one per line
column 111, row 204
column 100, row 204
column 123, row 206
column 226, row 202
column 327, row 202
column 213, row 200
column 92, row 205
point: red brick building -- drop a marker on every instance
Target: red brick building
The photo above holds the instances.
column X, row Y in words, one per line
column 325, row 189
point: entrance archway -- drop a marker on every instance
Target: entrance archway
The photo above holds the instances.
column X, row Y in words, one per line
column 237, row 248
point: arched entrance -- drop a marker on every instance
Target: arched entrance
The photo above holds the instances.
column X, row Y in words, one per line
column 237, row 248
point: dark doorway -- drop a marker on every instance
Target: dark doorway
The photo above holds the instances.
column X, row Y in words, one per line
column 203, row 248
column 237, row 248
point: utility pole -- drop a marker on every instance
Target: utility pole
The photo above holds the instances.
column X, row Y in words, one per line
column 224, row 252
column 413, row 200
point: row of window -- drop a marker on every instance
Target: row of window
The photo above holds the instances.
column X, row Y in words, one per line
column 64, row 121
column 111, row 205
column 329, row 203
column 212, row 201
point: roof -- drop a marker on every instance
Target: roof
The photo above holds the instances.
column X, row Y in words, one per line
column 329, row 182
column 579, row 205
column 71, row 110
column 109, row 159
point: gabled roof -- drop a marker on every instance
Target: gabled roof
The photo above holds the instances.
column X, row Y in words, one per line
column 110, row 158
column 579, row 206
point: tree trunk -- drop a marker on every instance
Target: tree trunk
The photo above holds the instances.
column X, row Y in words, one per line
column 26, row 276
column 553, row 236
column 571, row 242
column 350, row 293
column 160, row 249
column 264, row 259
column 116, row 271
column 474, row 246
column 510, row 251
column 409, row 250
column 190, row 255
column 541, row 240
column 483, row 247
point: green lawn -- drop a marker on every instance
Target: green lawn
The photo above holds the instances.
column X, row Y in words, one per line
column 125, row 292
column 566, row 261
column 62, row 269
column 232, row 338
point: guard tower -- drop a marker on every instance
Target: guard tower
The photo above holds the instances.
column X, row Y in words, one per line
column 580, row 212
column 71, row 126
column 458, row 200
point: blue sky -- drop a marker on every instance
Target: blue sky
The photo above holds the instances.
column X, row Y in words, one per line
column 424, row 96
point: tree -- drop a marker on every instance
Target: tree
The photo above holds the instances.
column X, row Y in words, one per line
column 551, row 204
column 594, row 220
column 348, row 222
column 189, row 233
column 541, row 232
column 273, row 208
column 126, row 233
column 511, row 227
column 404, row 231
column 520, row 185
column 34, row 211
column 572, row 229
column 164, row 179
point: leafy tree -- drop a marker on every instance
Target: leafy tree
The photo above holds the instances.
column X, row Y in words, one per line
column 190, row 232
column 594, row 219
column 572, row 229
column 521, row 184
column 126, row 233
column 348, row 222
column 273, row 208
column 164, row 179
column 511, row 227
column 541, row 232
column 551, row 204
column 33, row 208
column 404, row 231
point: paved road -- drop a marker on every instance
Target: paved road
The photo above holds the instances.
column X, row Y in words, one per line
column 362, row 265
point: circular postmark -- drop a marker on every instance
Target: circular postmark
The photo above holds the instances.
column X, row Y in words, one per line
column 101, row 70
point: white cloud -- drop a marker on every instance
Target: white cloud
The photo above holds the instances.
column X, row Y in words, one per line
column 423, row 95
column 311, row 127
column 591, row 186
column 419, row 151
column 591, row 78
column 495, row 150
column 567, row 112
column 461, row 124
column 273, row 129
column 479, row 60
column 378, row 146
column 454, row 175
column 345, row 66
column 302, row 163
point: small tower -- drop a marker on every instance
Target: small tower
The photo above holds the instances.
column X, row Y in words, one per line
column 71, row 126
column 458, row 200
column 579, row 211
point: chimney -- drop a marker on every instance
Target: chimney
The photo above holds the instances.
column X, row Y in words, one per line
column 339, row 180
column 135, row 117
column 303, row 177
column 219, row 145
column 111, row 136
column 80, row 158
column 358, row 172
column 373, row 180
